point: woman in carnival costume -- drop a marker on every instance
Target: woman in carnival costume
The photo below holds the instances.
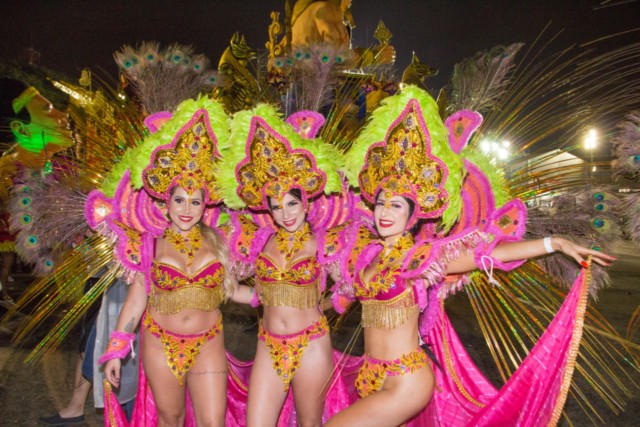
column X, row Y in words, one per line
column 186, row 278
column 282, row 172
column 397, row 268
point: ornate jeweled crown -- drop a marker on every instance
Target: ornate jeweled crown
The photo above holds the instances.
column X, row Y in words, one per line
column 271, row 168
column 403, row 165
column 189, row 161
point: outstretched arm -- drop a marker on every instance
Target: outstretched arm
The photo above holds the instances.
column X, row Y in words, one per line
column 514, row 251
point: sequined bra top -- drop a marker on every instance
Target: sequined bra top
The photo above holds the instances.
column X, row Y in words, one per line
column 173, row 290
column 297, row 285
column 388, row 301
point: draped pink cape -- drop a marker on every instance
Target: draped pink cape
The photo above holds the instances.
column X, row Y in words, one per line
column 533, row 396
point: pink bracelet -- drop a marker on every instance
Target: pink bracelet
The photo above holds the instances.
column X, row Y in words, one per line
column 255, row 299
column 119, row 345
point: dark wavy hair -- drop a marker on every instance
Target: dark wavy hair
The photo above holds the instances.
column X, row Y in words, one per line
column 412, row 207
column 295, row 192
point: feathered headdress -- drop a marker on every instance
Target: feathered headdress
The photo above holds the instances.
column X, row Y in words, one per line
column 190, row 161
column 407, row 154
column 272, row 158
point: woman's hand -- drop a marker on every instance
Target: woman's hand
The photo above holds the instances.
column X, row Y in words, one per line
column 577, row 252
column 334, row 272
column 112, row 371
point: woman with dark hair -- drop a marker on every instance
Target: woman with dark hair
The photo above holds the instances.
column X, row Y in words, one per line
column 294, row 348
column 396, row 275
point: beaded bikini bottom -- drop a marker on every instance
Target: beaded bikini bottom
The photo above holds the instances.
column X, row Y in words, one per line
column 373, row 371
column 286, row 350
column 181, row 349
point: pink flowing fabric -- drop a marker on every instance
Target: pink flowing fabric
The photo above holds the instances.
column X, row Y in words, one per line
column 113, row 414
column 533, row 396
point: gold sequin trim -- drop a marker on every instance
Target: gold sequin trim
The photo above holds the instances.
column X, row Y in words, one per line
column 108, row 406
column 373, row 372
column 574, row 347
column 448, row 363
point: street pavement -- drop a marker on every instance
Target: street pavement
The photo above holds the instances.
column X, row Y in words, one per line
column 27, row 392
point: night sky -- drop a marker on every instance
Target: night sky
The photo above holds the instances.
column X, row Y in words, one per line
column 73, row 34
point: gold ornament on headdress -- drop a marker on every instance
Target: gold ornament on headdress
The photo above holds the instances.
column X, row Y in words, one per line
column 190, row 161
column 272, row 168
column 403, row 165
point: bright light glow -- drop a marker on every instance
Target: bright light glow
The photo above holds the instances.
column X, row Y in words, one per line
column 495, row 149
column 591, row 139
column 593, row 169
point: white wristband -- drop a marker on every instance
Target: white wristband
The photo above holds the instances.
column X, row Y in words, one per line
column 547, row 245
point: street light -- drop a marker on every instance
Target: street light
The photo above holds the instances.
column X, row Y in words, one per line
column 590, row 143
column 591, row 139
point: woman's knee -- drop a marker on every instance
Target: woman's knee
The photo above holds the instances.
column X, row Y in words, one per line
column 170, row 418
column 211, row 420
column 310, row 420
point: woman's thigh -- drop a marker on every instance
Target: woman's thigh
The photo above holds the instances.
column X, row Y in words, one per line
column 167, row 392
column 266, row 391
column 312, row 380
column 207, row 383
column 400, row 398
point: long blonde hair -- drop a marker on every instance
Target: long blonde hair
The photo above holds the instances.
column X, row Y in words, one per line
column 220, row 250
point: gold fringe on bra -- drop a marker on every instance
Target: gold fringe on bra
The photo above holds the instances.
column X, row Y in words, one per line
column 389, row 314
column 187, row 298
column 286, row 294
